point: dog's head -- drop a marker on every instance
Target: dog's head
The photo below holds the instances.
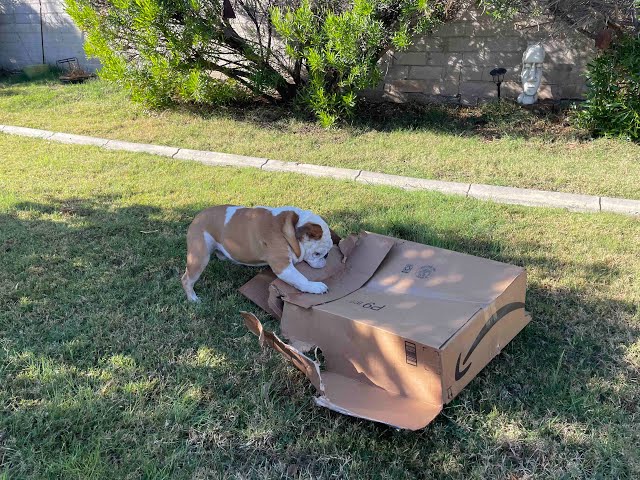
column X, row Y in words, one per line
column 315, row 242
column 313, row 237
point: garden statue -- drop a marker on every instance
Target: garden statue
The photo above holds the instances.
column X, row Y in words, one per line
column 531, row 74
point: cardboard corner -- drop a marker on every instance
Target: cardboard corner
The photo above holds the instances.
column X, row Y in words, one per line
column 357, row 399
column 257, row 290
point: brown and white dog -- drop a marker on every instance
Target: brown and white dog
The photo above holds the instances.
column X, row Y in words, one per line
column 278, row 237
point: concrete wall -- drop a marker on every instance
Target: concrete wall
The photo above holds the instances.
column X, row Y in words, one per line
column 21, row 42
column 453, row 63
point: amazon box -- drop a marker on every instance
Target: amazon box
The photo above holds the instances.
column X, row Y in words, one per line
column 403, row 329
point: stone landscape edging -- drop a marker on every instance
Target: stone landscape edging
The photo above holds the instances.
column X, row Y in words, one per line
column 509, row 195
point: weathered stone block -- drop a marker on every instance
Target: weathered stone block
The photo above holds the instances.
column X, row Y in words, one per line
column 20, row 28
column 455, row 29
column 426, row 73
column 397, row 72
column 436, row 88
column 493, row 28
column 437, row 58
column 471, row 91
column 511, row 89
column 501, row 59
column 427, row 44
column 464, row 44
column 505, row 44
column 411, row 58
column 27, row 18
column 408, row 85
column 393, row 94
column 471, row 73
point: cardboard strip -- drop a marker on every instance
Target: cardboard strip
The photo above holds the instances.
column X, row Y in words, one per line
column 303, row 363
column 363, row 260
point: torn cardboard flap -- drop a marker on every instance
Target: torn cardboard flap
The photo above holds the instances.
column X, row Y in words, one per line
column 342, row 274
column 359, row 264
column 341, row 394
column 408, row 328
column 303, row 363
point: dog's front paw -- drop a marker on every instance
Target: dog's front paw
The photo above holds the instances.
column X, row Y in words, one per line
column 193, row 298
column 316, row 287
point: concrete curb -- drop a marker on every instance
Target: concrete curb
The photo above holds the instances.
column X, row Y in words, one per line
column 620, row 205
column 312, row 170
column 27, row 132
column 78, row 139
column 219, row 159
column 410, row 183
column 508, row 195
column 141, row 147
column 535, row 198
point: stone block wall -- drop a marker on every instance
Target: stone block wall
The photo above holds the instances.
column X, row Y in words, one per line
column 453, row 63
column 33, row 29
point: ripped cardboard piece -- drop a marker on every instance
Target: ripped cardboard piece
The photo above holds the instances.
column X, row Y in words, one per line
column 408, row 338
column 310, row 368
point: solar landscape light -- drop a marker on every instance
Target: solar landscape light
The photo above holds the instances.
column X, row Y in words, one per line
column 497, row 74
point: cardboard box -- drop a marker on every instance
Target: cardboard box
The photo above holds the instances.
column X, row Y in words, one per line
column 403, row 329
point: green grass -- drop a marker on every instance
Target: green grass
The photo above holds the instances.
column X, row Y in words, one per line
column 107, row 372
column 492, row 145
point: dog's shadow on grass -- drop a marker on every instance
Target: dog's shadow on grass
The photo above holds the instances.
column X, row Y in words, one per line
column 90, row 285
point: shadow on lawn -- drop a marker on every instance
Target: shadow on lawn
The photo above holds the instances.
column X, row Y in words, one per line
column 547, row 121
column 101, row 291
column 488, row 121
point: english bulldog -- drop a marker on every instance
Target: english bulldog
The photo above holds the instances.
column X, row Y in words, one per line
column 278, row 237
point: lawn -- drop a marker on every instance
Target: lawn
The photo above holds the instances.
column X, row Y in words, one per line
column 491, row 145
column 107, row 372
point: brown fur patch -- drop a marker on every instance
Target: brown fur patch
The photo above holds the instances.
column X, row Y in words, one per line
column 312, row 230
column 289, row 221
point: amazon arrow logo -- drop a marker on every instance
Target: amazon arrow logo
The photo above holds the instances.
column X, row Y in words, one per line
column 495, row 318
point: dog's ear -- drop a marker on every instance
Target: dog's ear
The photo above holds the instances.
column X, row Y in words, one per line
column 312, row 230
column 289, row 222
column 335, row 238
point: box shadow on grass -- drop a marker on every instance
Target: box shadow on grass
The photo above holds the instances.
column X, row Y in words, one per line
column 95, row 279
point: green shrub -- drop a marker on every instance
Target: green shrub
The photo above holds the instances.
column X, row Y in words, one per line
column 168, row 50
column 613, row 100
column 341, row 49
column 140, row 50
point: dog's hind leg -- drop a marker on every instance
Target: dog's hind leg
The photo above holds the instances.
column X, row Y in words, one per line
column 199, row 248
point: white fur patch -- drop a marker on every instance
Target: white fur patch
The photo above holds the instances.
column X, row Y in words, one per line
column 293, row 277
column 229, row 213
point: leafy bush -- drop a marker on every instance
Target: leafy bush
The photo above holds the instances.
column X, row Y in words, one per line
column 141, row 52
column 613, row 100
column 341, row 49
column 323, row 53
